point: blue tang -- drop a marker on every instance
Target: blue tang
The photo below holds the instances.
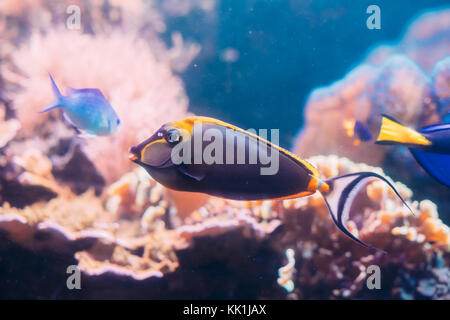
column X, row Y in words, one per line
column 87, row 110
column 430, row 146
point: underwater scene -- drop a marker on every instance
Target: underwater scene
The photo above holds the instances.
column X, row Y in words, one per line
column 225, row 149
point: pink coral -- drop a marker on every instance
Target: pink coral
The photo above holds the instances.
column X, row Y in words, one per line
column 394, row 85
column 427, row 38
column 326, row 111
column 440, row 79
column 143, row 90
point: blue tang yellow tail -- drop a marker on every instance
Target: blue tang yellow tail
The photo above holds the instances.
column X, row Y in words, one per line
column 430, row 146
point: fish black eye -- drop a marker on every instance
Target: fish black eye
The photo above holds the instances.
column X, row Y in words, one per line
column 118, row 121
column 173, row 136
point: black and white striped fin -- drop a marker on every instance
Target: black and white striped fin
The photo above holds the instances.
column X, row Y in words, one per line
column 343, row 190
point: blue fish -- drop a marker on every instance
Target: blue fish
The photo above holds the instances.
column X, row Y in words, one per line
column 430, row 146
column 357, row 130
column 87, row 110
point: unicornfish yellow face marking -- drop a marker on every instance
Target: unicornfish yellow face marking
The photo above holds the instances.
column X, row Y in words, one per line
column 156, row 151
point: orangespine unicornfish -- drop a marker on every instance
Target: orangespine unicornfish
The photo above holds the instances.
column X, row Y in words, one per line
column 430, row 145
column 228, row 176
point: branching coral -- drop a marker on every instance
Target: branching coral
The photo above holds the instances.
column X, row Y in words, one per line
column 53, row 216
column 18, row 19
column 8, row 128
column 329, row 265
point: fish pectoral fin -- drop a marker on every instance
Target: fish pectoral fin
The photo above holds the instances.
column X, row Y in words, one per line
column 86, row 136
column 341, row 195
column 191, row 173
column 435, row 164
column 67, row 118
column 81, row 134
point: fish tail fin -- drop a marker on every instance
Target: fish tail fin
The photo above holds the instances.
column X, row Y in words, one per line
column 392, row 132
column 341, row 193
column 58, row 103
column 55, row 88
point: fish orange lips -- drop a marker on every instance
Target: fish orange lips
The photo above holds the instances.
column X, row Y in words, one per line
column 132, row 157
column 132, row 154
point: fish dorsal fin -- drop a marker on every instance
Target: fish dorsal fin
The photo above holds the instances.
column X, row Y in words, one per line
column 70, row 90
column 93, row 91
column 435, row 127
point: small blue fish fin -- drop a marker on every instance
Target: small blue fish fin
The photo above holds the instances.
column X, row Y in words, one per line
column 435, row 164
column 191, row 173
column 362, row 131
column 435, row 127
column 342, row 193
column 86, row 135
column 56, row 91
column 53, row 106
column 67, row 118
column 93, row 91
column 70, row 90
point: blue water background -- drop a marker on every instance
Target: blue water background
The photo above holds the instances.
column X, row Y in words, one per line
column 286, row 48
